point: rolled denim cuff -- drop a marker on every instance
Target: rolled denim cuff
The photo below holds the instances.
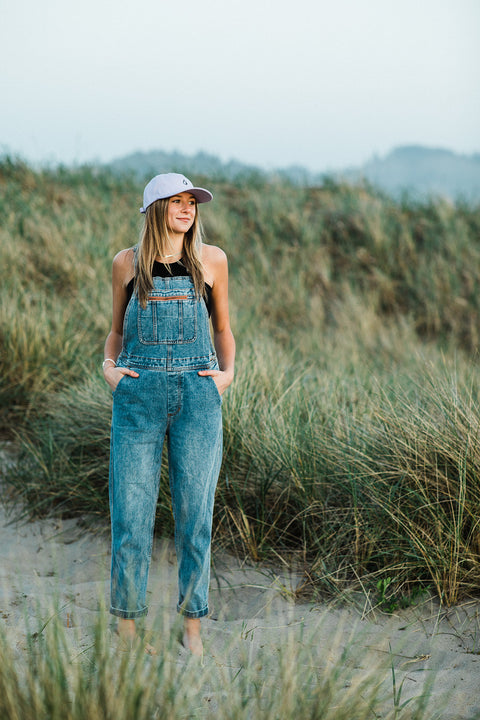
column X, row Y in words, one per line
column 190, row 614
column 127, row 614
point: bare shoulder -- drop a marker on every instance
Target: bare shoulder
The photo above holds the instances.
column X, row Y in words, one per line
column 215, row 266
column 213, row 255
column 124, row 258
column 123, row 265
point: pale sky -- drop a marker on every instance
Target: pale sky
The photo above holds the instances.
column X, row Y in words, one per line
column 319, row 83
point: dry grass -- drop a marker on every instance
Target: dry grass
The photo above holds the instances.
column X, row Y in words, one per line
column 55, row 677
column 351, row 431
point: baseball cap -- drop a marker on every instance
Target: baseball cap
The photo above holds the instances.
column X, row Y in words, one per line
column 168, row 184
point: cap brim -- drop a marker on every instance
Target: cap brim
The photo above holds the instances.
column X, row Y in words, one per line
column 200, row 194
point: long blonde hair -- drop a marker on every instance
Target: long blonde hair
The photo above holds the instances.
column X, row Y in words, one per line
column 154, row 241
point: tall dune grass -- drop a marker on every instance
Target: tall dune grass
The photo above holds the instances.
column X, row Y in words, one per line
column 351, row 430
column 59, row 678
column 56, row 247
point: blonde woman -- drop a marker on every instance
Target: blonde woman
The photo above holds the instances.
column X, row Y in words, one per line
column 167, row 379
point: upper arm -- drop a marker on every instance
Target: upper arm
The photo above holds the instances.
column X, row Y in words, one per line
column 217, row 266
column 122, row 273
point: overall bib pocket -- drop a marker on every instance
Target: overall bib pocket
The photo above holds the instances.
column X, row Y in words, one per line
column 168, row 318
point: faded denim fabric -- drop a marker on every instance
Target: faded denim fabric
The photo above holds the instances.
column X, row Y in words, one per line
column 166, row 343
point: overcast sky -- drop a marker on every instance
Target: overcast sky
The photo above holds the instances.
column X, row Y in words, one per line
column 320, row 83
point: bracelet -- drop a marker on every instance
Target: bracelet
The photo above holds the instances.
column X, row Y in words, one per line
column 108, row 360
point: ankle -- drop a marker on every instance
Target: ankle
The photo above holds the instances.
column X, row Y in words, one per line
column 192, row 627
column 126, row 628
column 191, row 636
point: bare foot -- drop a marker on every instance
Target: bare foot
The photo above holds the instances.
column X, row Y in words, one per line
column 127, row 631
column 128, row 634
column 191, row 636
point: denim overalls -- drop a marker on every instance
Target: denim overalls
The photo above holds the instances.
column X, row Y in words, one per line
column 167, row 343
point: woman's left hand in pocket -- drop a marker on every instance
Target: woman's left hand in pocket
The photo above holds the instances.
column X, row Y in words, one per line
column 221, row 378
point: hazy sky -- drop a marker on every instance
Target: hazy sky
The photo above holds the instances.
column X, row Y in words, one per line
column 321, row 83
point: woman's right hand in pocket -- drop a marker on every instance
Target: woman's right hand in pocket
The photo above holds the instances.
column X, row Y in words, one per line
column 113, row 375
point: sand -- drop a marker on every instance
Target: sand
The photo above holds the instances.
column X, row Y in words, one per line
column 251, row 610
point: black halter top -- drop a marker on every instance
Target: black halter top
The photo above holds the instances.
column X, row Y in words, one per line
column 177, row 269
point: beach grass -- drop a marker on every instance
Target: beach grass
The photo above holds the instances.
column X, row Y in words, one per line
column 59, row 673
column 351, row 430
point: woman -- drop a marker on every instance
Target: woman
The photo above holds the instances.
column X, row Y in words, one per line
column 167, row 380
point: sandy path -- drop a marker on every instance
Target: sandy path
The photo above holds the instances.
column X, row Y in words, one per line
column 251, row 611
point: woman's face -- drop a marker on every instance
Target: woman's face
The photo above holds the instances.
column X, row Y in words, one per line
column 181, row 212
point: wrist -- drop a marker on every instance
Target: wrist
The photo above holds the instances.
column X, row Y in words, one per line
column 108, row 364
column 111, row 362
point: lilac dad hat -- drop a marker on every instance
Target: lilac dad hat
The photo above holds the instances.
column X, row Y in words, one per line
column 168, row 184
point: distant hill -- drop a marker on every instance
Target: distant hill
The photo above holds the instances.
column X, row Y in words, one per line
column 416, row 169
column 146, row 164
column 426, row 171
